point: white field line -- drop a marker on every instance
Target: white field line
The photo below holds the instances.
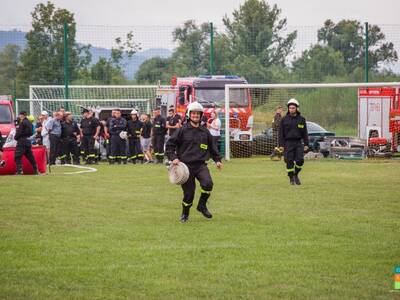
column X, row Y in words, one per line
column 84, row 169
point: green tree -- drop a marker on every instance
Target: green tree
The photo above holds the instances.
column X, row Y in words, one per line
column 110, row 70
column 9, row 59
column 317, row 63
column 191, row 52
column 43, row 59
column 347, row 37
column 255, row 32
column 155, row 69
column 190, row 58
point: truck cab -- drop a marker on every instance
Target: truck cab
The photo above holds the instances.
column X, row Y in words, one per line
column 209, row 91
column 6, row 116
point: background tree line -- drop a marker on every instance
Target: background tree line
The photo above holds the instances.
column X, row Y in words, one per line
column 253, row 44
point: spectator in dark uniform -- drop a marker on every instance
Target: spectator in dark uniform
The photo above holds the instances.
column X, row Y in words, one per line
column 276, row 122
column 24, row 146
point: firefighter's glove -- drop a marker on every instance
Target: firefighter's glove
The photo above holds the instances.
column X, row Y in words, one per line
column 306, row 148
column 281, row 149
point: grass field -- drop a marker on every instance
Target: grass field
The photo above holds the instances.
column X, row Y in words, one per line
column 114, row 234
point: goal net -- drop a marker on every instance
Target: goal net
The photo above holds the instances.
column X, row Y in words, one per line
column 51, row 98
column 337, row 117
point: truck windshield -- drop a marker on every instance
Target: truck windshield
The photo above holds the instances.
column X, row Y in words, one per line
column 216, row 97
column 5, row 114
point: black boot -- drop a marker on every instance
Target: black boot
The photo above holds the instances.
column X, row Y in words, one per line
column 19, row 170
column 184, row 218
column 296, row 180
column 291, row 179
column 185, row 213
column 202, row 206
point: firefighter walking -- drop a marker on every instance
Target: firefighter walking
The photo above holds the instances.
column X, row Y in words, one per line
column 118, row 144
column 134, row 128
column 193, row 144
column 293, row 140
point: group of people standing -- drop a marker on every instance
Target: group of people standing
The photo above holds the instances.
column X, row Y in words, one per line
column 137, row 138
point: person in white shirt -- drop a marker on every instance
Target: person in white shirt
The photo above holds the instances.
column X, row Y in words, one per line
column 45, row 132
column 214, row 126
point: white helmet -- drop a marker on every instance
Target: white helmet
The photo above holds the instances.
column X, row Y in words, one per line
column 123, row 135
column 294, row 102
column 194, row 106
column 134, row 112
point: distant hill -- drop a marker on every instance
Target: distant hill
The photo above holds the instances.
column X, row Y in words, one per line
column 131, row 65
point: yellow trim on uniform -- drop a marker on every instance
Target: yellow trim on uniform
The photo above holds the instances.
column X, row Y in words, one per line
column 300, row 125
column 297, row 166
column 290, row 170
column 204, row 146
column 205, row 192
column 186, row 204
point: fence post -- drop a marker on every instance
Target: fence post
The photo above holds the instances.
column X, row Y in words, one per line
column 227, row 116
column 211, row 49
column 366, row 53
column 14, row 95
column 66, row 64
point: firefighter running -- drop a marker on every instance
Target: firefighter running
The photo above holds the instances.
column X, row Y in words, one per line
column 292, row 131
column 192, row 144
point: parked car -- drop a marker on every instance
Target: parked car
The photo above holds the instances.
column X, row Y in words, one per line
column 263, row 143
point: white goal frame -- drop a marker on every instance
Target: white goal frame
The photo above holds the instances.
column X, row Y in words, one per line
column 290, row 86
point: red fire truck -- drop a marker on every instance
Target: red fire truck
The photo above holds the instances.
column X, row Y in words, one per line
column 379, row 119
column 209, row 91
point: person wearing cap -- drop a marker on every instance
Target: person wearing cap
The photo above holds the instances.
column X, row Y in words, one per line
column 134, row 128
column 293, row 140
column 24, row 146
column 90, row 129
column 193, row 144
column 159, row 132
column 276, row 121
column 118, row 144
column 70, row 133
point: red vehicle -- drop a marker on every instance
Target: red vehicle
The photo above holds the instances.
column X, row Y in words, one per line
column 209, row 91
column 6, row 116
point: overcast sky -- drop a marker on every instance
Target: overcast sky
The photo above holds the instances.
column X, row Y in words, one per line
column 173, row 12
column 153, row 21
